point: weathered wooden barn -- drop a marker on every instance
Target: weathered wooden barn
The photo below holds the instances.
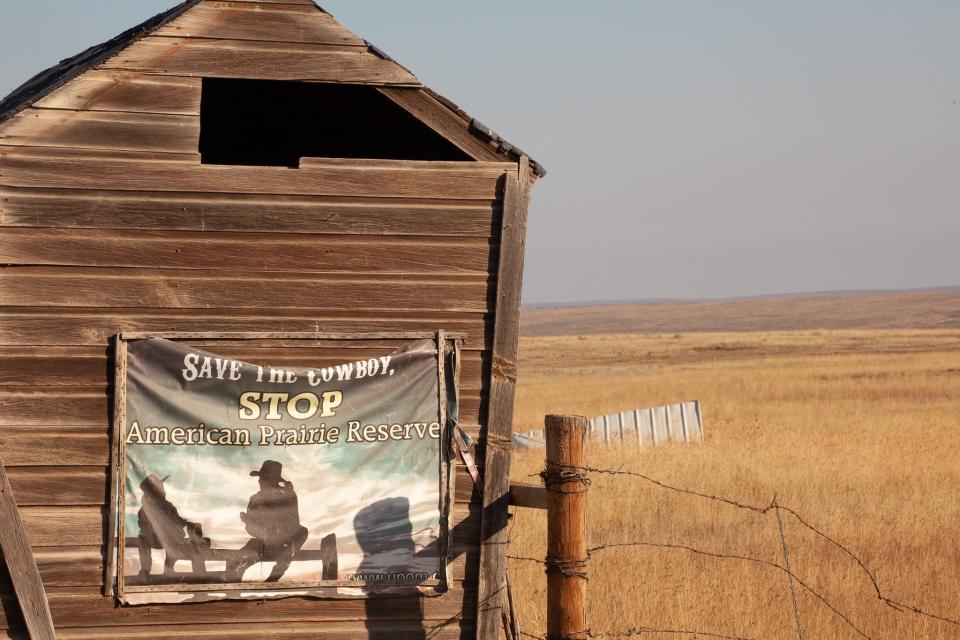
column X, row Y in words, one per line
column 245, row 166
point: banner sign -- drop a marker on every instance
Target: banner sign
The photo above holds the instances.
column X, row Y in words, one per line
column 249, row 481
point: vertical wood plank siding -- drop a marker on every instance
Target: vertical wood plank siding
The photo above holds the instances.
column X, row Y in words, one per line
column 499, row 432
column 109, row 223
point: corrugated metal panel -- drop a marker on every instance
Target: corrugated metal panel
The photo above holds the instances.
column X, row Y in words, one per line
column 679, row 422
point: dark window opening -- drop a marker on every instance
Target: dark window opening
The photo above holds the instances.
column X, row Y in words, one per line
column 275, row 123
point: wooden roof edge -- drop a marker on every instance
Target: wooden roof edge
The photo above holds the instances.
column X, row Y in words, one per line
column 487, row 134
column 477, row 128
column 67, row 69
column 383, row 55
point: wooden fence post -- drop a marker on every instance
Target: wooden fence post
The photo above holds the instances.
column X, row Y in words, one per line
column 566, row 561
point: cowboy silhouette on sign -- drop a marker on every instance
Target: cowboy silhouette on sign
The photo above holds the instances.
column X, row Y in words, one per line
column 273, row 519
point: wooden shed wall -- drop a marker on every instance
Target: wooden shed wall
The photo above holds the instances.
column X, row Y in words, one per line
column 108, row 222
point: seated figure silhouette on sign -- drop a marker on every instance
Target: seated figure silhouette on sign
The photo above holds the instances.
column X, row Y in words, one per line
column 162, row 527
column 273, row 519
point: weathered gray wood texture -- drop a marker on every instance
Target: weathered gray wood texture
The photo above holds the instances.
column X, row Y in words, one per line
column 109, row 223
column 498, row 435
column 22, row 567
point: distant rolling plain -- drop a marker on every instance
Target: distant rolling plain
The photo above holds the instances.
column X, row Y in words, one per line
column 845, row 407
column 912, row 309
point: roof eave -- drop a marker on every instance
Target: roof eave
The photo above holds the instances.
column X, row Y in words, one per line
column 51, row 79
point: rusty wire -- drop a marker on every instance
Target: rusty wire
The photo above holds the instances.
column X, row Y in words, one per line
column 786, row 561
column 636, row 631
column 555, row 475
column 766, row 509
column 560, row 473
column 571, row 567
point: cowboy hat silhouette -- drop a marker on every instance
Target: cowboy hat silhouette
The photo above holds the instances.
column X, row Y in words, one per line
column 269, row 471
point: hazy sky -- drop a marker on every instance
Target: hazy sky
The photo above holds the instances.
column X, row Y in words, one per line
column 695, row 149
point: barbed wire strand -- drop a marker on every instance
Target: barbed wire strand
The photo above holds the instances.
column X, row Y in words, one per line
column 721, row 556
column 512, row 629
column 764, row 510
column 786, row 561
column 637, row 631
column 894, row 604
column 581, row 478
column 560, row 474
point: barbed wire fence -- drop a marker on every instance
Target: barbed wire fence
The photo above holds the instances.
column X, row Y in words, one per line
column 559, row 473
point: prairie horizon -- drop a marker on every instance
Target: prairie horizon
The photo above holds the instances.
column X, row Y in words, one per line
column 927, row 308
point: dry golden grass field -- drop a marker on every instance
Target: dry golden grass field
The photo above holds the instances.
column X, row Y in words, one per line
column 859, row 431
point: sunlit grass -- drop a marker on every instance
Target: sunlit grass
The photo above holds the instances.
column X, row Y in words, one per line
column 857, row 430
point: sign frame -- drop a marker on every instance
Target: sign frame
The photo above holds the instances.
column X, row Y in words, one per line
column 448, row 343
